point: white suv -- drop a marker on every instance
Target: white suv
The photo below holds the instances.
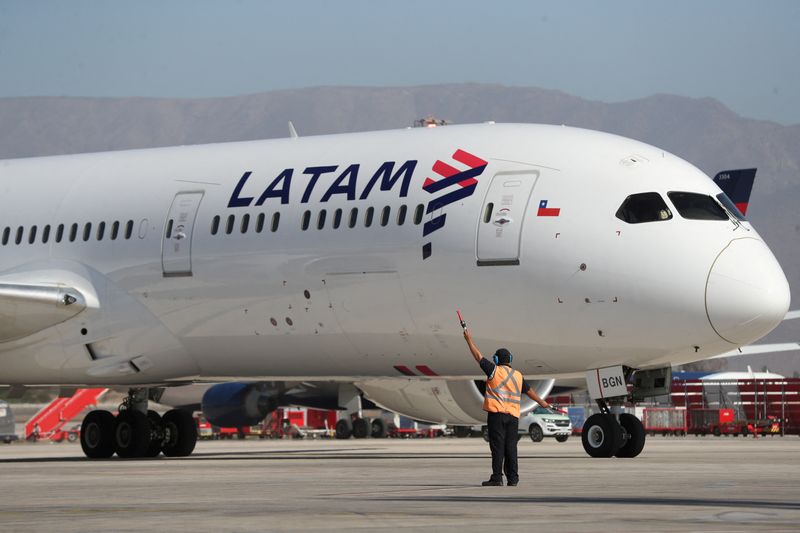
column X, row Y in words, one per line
column 541, row 423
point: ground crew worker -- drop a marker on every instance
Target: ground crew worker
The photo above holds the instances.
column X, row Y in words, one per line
column 504, row 389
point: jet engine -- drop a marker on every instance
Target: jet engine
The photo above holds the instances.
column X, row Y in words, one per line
column 238, row 404
column 440, row 401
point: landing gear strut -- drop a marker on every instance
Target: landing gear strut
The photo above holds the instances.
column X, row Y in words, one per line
column 136, row 432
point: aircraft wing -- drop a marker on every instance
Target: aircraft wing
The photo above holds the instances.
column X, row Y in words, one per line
column 792, row 314
column 28, row 308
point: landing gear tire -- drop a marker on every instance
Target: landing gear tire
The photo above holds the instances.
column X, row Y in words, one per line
column 536, row 433
column 361, row 428
column 97, row 435
column 562, row 438
column 602, row 435
column 634, row 444
column 180, row 433
column 379, row 430
column 344, row 428
column 156, row 434
column 131, row 434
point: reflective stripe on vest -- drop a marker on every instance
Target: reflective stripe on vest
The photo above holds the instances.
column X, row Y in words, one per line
column 503, row 391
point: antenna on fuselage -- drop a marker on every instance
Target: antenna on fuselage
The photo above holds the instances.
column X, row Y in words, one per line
column 292, row 132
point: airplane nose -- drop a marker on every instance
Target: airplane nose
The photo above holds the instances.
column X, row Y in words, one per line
column 747, row 294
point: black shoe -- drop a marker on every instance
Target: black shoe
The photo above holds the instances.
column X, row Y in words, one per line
column 491, row 483
column 512, row 483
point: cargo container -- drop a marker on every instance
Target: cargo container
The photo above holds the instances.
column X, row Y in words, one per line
column 664, row 421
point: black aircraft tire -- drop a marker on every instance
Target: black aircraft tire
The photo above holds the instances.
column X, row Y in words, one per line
column 634, row 445
column 97, row 435
column 180, row 433
column 601, row 436
column 343, row 429
column 361, row 428
column 379, row 430
column 131, row 434
column 157, row 433
column 536, row 433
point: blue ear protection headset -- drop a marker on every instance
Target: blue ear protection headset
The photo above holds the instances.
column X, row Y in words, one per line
column 497, row 359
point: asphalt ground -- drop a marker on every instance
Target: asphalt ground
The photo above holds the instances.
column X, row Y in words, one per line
column 677, row 484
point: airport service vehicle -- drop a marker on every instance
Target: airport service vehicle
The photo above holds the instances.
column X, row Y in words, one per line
column 8, row 433
column 340, row 259
column 540, row 423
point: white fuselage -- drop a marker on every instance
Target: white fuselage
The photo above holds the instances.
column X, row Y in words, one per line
column 585, row 290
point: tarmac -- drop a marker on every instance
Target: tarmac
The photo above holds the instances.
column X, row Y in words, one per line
column 677, row 484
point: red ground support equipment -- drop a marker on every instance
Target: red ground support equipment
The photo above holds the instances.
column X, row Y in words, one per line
column 664, row 421
column 49, row 422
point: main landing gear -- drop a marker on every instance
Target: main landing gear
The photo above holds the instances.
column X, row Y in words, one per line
column 138, row 432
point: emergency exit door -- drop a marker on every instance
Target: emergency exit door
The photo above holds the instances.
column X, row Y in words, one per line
column 503, row 217
column 176, row 247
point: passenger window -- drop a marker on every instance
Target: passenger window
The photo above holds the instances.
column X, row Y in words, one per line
column 46, row 234
column 695, row 206
column 728, row 204
column 368, row 216
column 337, row 218
column 169, row 229
column 260, row 222
column 59, row 232
column 101, row 230
column 214, row 225
column 276, row 219
column 6, row 235
column 87, row 231
column 32, row 235
column 644, row 207
column 20, row 231
column 418, row 212
column 73, row 232
column 245, row 223
column 385, row 215
column 321, row 219
column 306, row 220
column 129, row 229
column 353, row 218
column 229, row 225
column 115, row 230
column 401, row 215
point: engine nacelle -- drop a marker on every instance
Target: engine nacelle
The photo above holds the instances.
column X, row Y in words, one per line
column 237, row 404
column 440, row 401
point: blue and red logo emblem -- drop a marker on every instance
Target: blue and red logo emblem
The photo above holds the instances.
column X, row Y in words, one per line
column 458, row 184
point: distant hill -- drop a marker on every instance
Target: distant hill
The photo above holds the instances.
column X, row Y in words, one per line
column 703, row 131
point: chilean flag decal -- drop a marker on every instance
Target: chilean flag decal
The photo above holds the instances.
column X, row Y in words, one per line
column 545, row 211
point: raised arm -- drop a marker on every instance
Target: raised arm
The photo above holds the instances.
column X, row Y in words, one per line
column 472, row 348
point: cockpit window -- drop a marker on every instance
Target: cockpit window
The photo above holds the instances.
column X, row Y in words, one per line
column 644, row 207
column 728, row 204
column 697, row 206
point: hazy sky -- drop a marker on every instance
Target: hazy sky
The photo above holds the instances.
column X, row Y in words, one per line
column 746, row 54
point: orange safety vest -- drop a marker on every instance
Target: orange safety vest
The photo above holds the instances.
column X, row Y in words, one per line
column 503, row 391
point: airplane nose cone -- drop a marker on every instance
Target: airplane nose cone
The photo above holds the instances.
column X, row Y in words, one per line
column 747, row 294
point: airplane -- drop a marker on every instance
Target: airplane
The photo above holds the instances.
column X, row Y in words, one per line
column 343, row 258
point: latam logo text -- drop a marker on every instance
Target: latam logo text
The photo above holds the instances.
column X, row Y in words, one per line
column 346, row 183
column 462, row 184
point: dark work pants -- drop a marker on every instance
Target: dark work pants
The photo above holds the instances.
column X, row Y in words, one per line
column 503, row 444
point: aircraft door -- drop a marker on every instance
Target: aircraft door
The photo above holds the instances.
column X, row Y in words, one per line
column 503, row 216
column 176, row 247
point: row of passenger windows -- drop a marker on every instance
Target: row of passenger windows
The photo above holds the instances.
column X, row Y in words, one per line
column 62, row 232
column 352, row 218
column 339, row 218
column 650, row 207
